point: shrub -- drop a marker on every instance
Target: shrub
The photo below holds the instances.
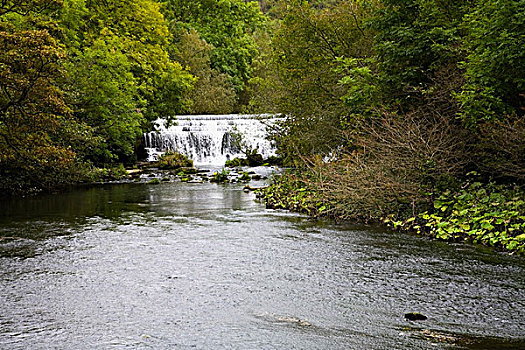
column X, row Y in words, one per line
column 482, row 213
column 107, row 174
column 292, row 193
column 245, row 177
column 500, row 149
column 173, row 160
column 221, row 176
column 235, row 162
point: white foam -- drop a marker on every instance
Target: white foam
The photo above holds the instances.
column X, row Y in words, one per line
column 207, row 139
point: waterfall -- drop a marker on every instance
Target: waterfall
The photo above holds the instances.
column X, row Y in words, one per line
column 211, row 139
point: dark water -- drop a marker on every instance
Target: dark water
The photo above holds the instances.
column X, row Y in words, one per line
column 177, row 266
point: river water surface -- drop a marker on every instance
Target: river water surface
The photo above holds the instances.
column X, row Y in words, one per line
column 205, row 266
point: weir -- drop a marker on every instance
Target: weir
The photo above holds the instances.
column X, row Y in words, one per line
column 211, row 139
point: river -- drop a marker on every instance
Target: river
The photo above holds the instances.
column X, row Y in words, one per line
column 205, row 266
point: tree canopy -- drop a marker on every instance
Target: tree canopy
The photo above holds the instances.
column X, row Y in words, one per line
column 34, row 117
column 81, row 80
column 120, row 71
column 227, row 26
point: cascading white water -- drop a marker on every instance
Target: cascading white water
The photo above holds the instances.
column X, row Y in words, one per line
column 211, row 139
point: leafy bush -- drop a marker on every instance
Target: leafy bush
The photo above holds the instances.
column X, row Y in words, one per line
column 292, row 193
column 489, row 214
column 38, row 168
column 273, row 160
column 245, row 177
column 235, row 162
column 107, row 174
column 252, row 159
column 495, row 64
column 173, row 160
column 220, row 176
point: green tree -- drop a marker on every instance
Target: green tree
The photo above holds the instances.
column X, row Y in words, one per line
column 415, row 41
column 34, row 118
column 495, row 65
column 22, row 7
column 307, row 49
column 105, row 95
column 121, row 74
column 228, row 26
column 213, row 92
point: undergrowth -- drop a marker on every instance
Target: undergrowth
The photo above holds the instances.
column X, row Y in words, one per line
column 174, row 160
column 291, row 192
column 484, row 213
column 489, row 214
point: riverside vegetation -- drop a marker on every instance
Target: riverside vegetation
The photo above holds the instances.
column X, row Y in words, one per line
column 81, row 80
column 409, row 113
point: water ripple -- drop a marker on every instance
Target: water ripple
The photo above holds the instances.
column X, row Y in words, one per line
column 175, row 266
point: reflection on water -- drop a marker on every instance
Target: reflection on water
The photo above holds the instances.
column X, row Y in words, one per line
column 205, row 266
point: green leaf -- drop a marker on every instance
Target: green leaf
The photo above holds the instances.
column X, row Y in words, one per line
column 487, row 226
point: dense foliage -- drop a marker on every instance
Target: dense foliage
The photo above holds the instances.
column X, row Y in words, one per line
column 81, row 80
column 489, row 214
column 391, row 103
column 120, row 74
column 483, row 213
column 34, row 118
column 221, row 48
column 495, row 61
column 301, row 73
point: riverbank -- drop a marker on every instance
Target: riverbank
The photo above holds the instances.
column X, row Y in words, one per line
column 477, row 212
column 169, row 167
